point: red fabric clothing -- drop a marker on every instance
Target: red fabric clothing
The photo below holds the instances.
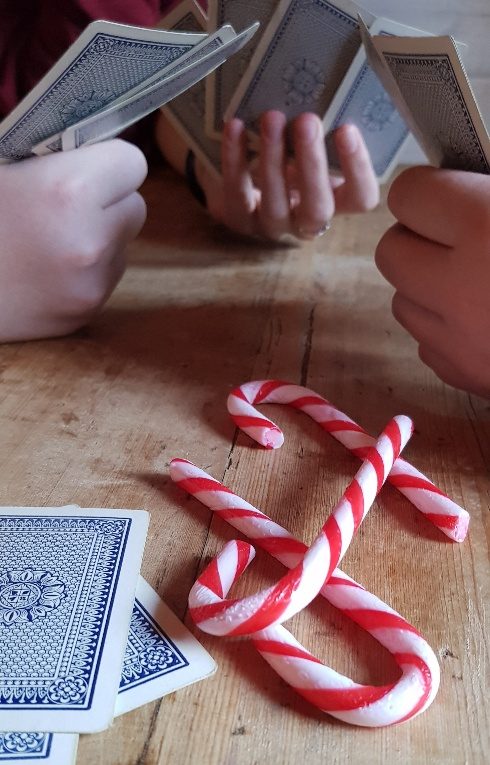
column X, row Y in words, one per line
column 33, row 35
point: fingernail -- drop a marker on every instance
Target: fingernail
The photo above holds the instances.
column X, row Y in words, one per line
column 309, row 130
column 347, row 141
column 234, row 129
column 272, row 126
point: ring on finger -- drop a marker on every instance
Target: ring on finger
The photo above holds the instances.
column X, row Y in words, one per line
column 306, row 233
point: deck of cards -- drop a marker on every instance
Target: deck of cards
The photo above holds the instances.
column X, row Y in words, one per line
column 112, row 76
column 83, row 637
column 334, row 58
column 330, row 57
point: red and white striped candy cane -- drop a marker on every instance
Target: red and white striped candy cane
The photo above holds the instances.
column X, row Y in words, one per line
column 302, row 584
column 449, row 517
column 331, row 692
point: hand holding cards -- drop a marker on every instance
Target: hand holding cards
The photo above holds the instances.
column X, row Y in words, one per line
column 309, row 57
column 83, row 637
column 116, row 72
column 427, row 81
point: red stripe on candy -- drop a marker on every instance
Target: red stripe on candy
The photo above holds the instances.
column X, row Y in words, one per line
column 209, row 611
column 273, row 606
column 283, row 649
column 244, row 551
column 198, row 484
column 227, row 513
column 409, row 658
column 211, row 579
column 303, row 401
column 338, row 425
column 334, row 536
column 443, row 521
column 354, row 495
column 244, row 421
column 405, row 481
column 334, row 580
column 344, row 699
column 393, row 432
column 370, row 619
column 281, row 545
column 377, row 462
column 238, row 393
column 266, row 389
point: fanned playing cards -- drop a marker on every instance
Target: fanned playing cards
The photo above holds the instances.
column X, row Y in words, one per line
column 111, row 76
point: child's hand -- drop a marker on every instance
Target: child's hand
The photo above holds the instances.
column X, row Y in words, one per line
column 64, row 222
column 299, row 199
column 438, row 259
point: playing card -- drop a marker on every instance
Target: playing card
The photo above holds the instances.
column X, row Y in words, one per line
column 106, row 61
column 362, row 100
column 223, row 82
column 300, row 61
column 32, row 748
column 427, row 81
column 67, row 583
column 109, row 122
column 186, row 112
column 144, row 98
column 161, row 654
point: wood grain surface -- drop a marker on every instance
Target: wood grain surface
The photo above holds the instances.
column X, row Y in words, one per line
column 94, row 419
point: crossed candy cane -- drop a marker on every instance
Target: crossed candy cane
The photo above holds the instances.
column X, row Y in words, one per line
column 314, row 570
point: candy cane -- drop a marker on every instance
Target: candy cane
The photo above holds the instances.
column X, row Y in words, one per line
column 301, row 585
column 328, row 690
column 449, row 517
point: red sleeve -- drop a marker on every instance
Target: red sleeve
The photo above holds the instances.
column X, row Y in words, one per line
column 34, row 35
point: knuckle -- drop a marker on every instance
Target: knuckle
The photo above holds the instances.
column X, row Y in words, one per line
column 65, row 193
column 88, row 252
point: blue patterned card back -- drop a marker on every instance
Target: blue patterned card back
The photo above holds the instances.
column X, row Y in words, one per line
column 38, row 748
column 104, row 66
column 149, row 651
column 65, row 588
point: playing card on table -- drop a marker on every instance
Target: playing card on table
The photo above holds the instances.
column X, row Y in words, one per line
column 300, row 61
column 363, row 101
column 223, row 82
column 106, row 61
column 109, row 122
column 427, row 81
column 67, row 583
column 41, row 748
column 161, row 654
column 186, row 112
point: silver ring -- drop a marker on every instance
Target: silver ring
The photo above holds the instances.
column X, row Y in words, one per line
column 308, row 234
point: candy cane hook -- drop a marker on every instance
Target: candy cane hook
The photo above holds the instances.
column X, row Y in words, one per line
column 449, row 517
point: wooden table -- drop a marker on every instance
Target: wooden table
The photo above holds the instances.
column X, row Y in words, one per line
column 95, row 418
